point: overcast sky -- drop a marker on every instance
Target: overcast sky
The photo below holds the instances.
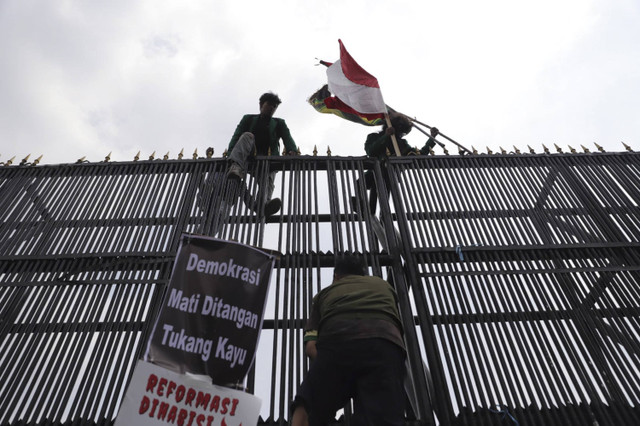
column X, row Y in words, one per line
column 85, row 78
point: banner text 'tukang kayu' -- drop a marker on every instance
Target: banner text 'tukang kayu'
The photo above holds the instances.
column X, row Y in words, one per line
column 213, row 309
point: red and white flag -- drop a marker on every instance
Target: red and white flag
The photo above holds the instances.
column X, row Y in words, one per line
column 354, row 86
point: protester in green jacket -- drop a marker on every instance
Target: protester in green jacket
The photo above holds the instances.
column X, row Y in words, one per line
column 277, row 130
column 354, row 337
column 260, row 134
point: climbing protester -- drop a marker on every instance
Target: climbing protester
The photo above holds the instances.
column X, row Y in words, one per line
column 380, row 145
column 354, row 337
column 260, row 134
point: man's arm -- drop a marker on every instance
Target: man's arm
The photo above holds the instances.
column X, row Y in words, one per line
column 310, row 349
column 287, row 140
column 311, row 330
column 431, row 142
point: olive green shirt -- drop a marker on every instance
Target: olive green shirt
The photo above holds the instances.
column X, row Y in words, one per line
column 355, row 307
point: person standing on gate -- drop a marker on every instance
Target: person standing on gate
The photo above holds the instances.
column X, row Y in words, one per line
column 260, row 133
column 379, row 145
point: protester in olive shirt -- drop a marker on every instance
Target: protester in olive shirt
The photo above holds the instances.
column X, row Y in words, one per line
column 260, row 133
column 355, row 340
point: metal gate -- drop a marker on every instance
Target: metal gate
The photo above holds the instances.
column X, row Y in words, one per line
column 517, row 277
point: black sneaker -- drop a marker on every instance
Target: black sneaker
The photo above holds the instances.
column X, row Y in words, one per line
column 355, row 207
column 272, row 207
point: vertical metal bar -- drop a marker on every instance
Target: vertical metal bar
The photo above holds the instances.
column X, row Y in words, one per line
column 425, row 412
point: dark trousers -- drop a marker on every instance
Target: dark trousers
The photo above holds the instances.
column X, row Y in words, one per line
column 370, row 183
column 371, row 371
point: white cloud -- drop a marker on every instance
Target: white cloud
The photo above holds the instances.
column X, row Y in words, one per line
column 86, row 79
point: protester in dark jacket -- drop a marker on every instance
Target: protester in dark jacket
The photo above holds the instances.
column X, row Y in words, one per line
column 380, row 145
column 260, row 134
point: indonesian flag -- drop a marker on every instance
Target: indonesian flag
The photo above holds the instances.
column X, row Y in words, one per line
column 323, row 102
column 354, row 86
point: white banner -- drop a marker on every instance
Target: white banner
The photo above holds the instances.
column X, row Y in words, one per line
column 157, row 396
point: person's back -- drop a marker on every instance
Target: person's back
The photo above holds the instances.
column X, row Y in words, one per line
column 355, row 340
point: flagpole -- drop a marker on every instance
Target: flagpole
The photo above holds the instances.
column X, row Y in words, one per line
column 427, row 134
column 386, row 111
column 393, row 135
column 440, row 133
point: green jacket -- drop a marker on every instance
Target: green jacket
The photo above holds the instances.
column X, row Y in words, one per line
column 354, row 297
column 277, row 130
column 377, row 144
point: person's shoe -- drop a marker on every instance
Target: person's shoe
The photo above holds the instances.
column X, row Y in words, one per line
column 235, row 172
column 272, row 207
column 355, row 207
